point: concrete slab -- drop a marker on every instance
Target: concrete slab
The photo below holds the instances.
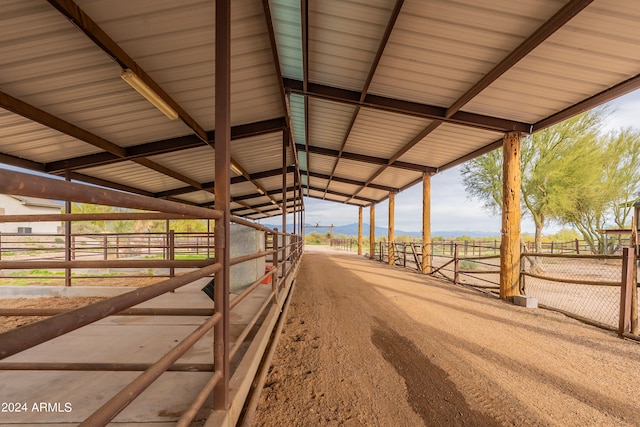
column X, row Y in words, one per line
column 70, row 397
column 120, row 339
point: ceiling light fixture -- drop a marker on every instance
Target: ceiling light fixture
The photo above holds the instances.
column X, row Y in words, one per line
column 143, row 89
column 235, row 169
column 260, row 190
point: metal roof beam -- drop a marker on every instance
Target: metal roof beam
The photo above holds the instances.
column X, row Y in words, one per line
column 596, row 100
column 369, row 159
column 256, row 195
column 346, row 195
column 108, row 184
column 235, row 180
column 162, row 147
column 406, row 107
column 354, row 182
column 266, row 7
column 19, row 162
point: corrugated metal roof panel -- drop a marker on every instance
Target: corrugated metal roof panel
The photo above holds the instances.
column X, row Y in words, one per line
column 196, row 163
column 382, row 134
column 331, row 197
column 23, row 138
column 128, row 172
column 588, row 55
column 197, row 197
column 373, row 194
column 319, row 183
column 259, row 153
column 287, row 28
column 65, row 75
column 356, row 170
column 241, row 188
column 397, row 178
column 343, row 40
column 328, row 123
column 447, row 143
column 436, row 52
column 439, row 49
column 274, row 183
column 321, row 164
column 296, row 108
column 342, row 187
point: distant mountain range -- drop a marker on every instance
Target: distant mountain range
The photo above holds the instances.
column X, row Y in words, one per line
column 352, row 230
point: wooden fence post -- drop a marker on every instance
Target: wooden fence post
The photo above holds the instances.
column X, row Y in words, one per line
column 626, row 292
column 456, row 267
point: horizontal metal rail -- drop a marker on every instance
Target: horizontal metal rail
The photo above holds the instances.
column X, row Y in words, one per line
column 141, row 311
column 115, row 367
column 121, row 400
column 114, row 216
column 22, row 184
column 27, row 336
column 144, row 263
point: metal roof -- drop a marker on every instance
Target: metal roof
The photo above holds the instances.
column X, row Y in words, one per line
column 377, row 92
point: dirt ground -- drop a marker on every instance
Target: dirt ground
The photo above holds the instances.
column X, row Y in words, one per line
column 10, row 322
column 371, row 345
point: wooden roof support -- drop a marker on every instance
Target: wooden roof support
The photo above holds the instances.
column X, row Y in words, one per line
column 426, row 224
column 392, row 229
column 372, row 230
column 360, row 230
column 511, row 216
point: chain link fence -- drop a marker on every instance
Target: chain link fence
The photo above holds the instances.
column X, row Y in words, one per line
column 585, row 286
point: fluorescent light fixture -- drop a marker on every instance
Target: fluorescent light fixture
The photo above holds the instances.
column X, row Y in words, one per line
column 260, row 190
column 141, row 87
column 235, row 169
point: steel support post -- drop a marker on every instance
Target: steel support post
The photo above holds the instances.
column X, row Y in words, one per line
column 222, row 193
column 67, row 235
column 511, row 216
column 295, row 204
column 285, row 238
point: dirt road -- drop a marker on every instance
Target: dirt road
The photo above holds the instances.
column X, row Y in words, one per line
column 371, row 345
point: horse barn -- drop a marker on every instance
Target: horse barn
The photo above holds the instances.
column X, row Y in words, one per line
column 229, row 112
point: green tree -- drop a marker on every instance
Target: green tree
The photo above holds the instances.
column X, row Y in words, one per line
column 556, row 162
column 622, row 168
column 611, row 191
column 90, row 226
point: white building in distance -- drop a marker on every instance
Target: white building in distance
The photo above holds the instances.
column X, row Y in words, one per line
column 19, row 205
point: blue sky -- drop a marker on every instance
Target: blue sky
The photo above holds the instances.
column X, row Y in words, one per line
column 451, row 208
